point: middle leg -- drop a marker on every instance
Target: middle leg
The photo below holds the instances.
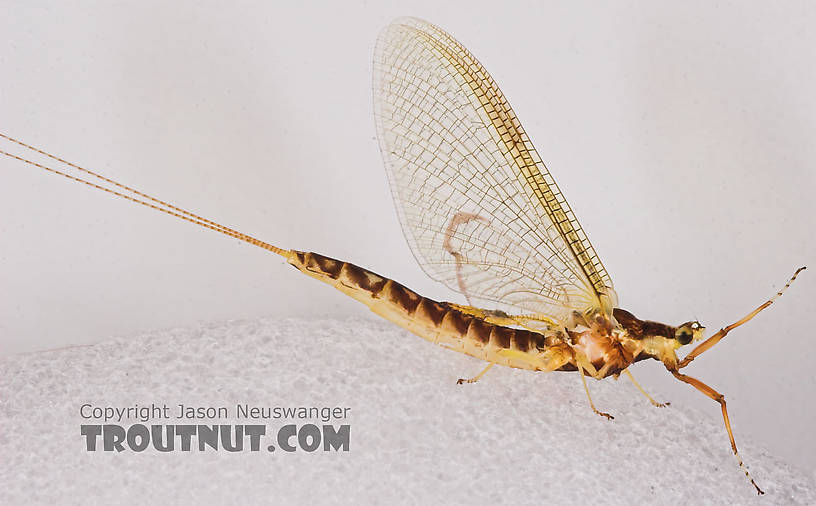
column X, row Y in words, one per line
column 654, row 402
column 477, row 377
column 579, row 363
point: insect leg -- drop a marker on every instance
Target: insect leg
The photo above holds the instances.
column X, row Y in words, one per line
column 654, row 402
column 578, row 362
column 711, row 341
column 710, row 392
column 553, row 358
column 501, row 318
column 523, row 320
column 477, row 377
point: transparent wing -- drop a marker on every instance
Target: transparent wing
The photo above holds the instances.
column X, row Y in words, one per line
column 478, row 207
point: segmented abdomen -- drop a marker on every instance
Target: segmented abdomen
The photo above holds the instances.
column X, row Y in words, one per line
column 435, row 321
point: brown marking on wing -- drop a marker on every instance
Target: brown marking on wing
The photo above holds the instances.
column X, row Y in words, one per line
column 517, row 145
column 459, row 218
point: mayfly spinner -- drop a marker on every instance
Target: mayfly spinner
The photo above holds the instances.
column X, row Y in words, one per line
column 482, row 215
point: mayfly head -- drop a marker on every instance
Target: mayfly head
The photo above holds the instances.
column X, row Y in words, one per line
column 688, row 332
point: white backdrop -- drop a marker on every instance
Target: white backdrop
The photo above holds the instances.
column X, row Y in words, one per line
column 682, row 135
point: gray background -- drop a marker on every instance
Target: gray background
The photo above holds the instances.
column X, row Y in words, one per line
column 682, row 135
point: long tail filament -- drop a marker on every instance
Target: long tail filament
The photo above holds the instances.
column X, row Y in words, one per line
column 136, row 196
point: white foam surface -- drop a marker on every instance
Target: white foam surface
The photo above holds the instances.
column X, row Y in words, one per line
column 515, row 437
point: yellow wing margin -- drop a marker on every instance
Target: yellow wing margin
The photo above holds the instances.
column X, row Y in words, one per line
column 533, row 178
column 517, row 144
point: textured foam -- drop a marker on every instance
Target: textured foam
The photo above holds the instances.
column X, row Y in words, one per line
column 514, row 437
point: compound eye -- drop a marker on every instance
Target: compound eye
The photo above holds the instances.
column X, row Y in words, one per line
column 684, row 336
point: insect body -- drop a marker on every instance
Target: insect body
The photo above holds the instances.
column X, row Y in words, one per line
column 494, row 336
column 483, row 215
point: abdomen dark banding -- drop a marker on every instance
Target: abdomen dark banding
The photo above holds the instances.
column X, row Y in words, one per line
column 480, row 331
column 501, row 337
column 438, row 322
column 431, row 310
column 325, row 265
column 456, row 322
column 522, row 340
column 362, row 278
column 400, row 296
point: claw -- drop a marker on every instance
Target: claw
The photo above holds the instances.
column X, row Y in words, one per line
column 607, row 415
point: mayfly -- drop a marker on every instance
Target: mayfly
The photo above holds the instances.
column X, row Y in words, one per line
column 483, row 216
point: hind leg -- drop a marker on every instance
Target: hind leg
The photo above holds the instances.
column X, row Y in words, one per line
column 477, row 377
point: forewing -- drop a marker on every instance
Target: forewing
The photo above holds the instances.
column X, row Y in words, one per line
column 478, row 207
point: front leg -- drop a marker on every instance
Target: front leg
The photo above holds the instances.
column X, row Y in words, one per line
column 711, row 341
column 713, row 394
